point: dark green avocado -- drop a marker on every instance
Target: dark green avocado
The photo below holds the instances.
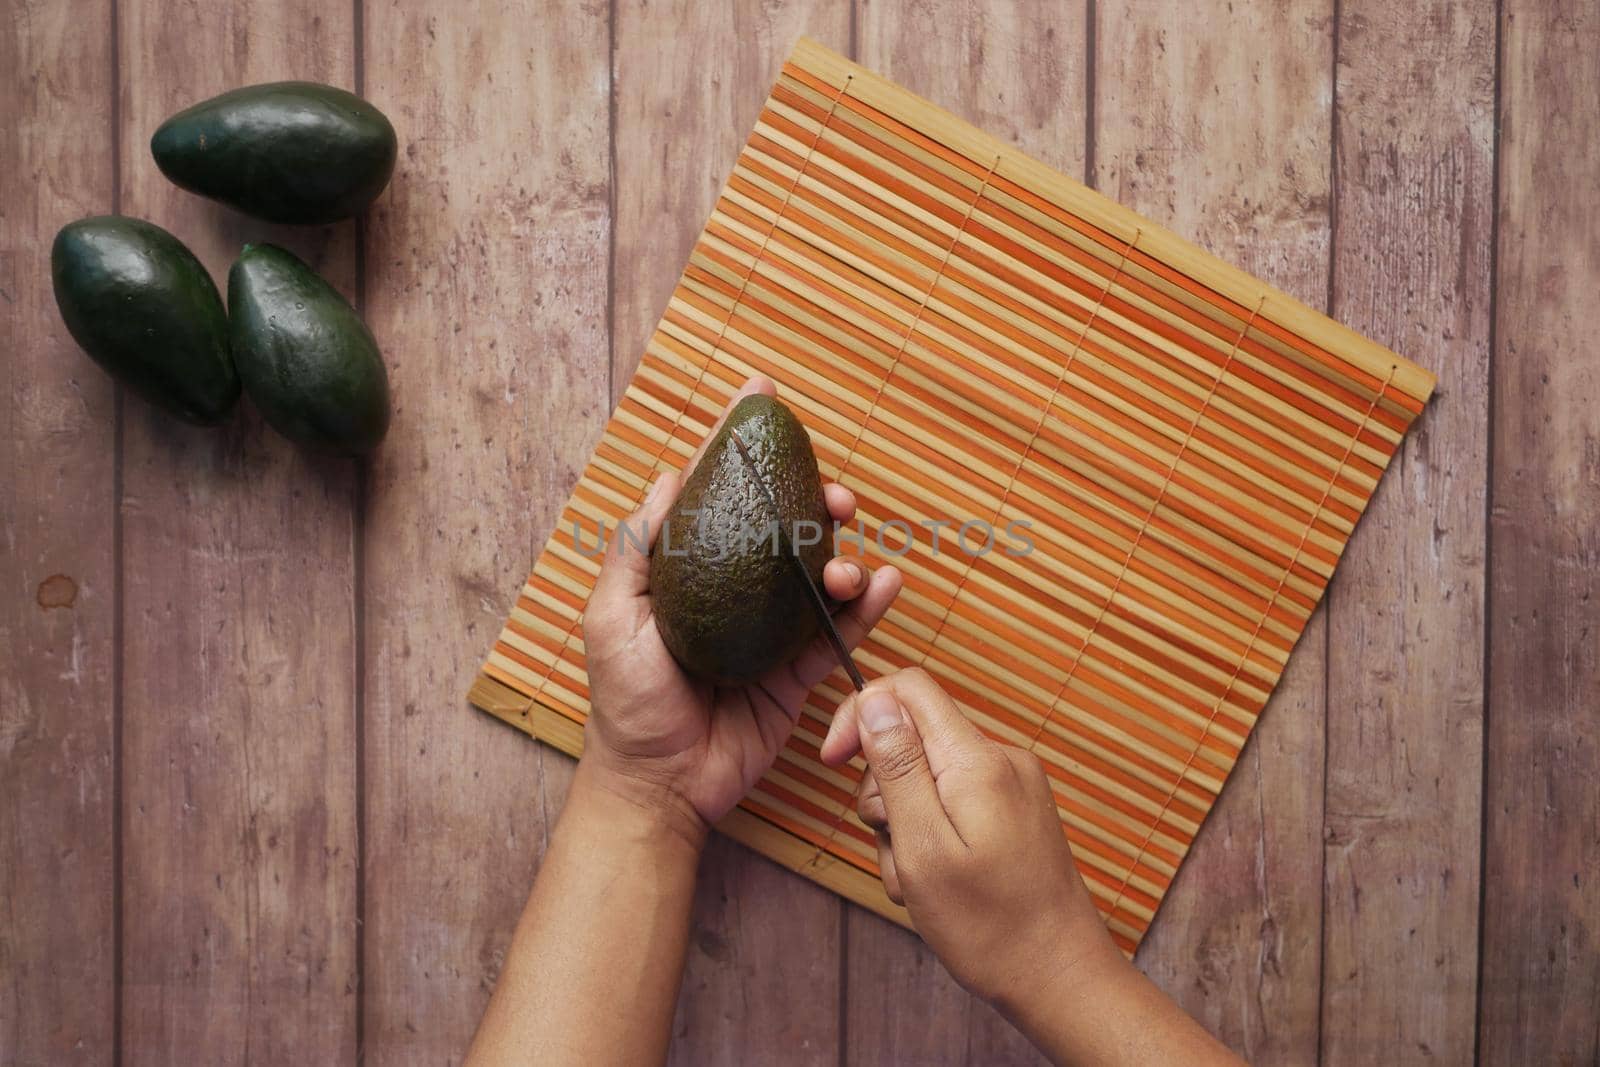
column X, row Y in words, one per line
column 144, row 308
column 306, row 359
column 285, row 152
column 728, row 603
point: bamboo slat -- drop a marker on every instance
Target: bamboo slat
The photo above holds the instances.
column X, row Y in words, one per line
column 968, row 335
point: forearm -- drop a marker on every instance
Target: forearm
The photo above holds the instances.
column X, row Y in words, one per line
column 1100, row 1009
column 593, row 971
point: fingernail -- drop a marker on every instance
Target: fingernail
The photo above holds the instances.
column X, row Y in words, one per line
column 854, row 572
column 880, row 711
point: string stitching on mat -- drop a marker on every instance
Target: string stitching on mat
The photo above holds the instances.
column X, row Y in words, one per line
column 716, row 346
column 1038, row 428
column 1261, row 622
column 877, row 395
column 1138, row 535
column 1133, row 548
column 916, row 320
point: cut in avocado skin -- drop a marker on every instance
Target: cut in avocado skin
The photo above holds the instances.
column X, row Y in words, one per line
column 286, row 152
column 144, row 308
column 306, row 359
column 731, row 619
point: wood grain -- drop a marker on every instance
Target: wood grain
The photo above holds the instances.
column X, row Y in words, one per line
column 488, row 287
column 487, row 290
column 239, row 697
column 57, row 622
column 1017, row 70
column 761, row 983
column 1237, row 939
column 1540, row 969
column 1405, row 618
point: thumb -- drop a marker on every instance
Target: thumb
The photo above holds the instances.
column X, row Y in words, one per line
column 893, row 750
column 625, row 571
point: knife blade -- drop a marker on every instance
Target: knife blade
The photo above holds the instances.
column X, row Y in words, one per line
column 818, row 604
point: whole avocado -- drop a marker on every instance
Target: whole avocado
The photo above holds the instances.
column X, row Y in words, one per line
column 727, row 601
column 144, row 308
column 307, row 360
column 286, row 151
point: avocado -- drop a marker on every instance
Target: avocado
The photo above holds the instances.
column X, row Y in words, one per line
column 728, row 603
column 285, row 151
column 144, row 308
column 305, row 357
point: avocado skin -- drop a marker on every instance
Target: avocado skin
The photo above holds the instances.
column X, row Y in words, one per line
column 730, row 620
column 306, row 359
column 144, row 308
column 295, row 152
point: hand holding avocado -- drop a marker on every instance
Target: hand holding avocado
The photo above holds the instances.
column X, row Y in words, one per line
column 667, row 738
column 144, row 308
column 728, row 603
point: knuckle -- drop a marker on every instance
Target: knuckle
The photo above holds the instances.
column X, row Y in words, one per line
column 908, row 862
column 589, row 624
column 971, row 869
column 1024, row 761
column 1031, row 769
column 987, row 767
column 896, row 756
column 993, row 763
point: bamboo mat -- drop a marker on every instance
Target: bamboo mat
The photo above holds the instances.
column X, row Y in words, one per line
column 968, row 335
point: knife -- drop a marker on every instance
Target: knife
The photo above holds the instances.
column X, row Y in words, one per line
column 819, row 605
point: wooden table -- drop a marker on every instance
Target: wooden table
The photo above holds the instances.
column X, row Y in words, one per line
column 245, row 813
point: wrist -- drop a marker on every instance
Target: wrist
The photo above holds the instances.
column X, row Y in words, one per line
column 646, row 809
column 1080, row 968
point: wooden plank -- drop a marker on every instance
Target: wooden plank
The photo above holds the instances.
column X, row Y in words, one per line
column 1405, row 618
column 239, row 707
column 1540, row 977
column 1016, row 70
column 58, row 445
column 1237, row 940
column 487, row 288
column 761, row 983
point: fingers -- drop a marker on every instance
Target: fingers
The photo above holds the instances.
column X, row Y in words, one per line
column 844, row 737
column 947, row 734
column 887, row 869
column 869, row 803
column 841, row 502
column 790, row 682
column 758, row 384
column 844, row 578
column 853, row 624
column 900, row 766
column 625, row 571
